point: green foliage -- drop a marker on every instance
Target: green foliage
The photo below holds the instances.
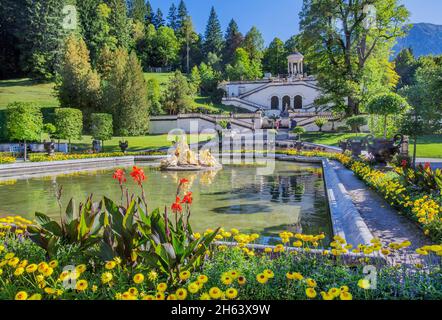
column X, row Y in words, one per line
column 120, row 25
column 178, row 95
column 347, row 53
column 275, row 58
column 243, row 68
column 254, row 44
column 213, row 39
column 125, row 95
column 406, row 66
column 69, row 123
column 80, row 227
column 78, row 85
column 356, row 123
column 154, row 97
column 320, row 122
column 233, row 40
column 24, row 121
column 38, row 26
column 385, row 105
column 165, row 47
column 102, row 126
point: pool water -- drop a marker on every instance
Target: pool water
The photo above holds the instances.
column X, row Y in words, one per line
column 292, row 198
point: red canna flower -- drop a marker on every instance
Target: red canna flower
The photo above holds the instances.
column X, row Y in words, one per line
column 184, row 181
column 176, row 206
column 120, row 175
column 138, row 175
column 404, row 163
column 187, row 198
column 427, row 166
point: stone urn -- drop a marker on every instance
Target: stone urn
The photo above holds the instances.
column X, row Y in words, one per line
column 356, row 147
column 299, row 145
column 49, row 148
column 124, row 145
column 383, row 150
column 343, row 144
column 96, row 146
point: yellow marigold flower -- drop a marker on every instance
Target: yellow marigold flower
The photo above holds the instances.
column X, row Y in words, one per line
column 181, row 294
column 205, row 296
column 385, row 252
column 269, row 273
column 215, row 293
column 203, row 278
column 81, row 285
column 234, row 231
column 162, row 287
column 172, row 297
column 344, row 289
column 64, row 275
column 311, row 283
column 106, row 277
column 9, row 255
column 327, row 296
column 50, row 291
column 35, row 296
column 31, row 268
column 262, row 278
column 335, row 292
column 364, row 284
column 152, row 276
column 193, row 287
column 311, row 293
column 128, row 296
column 227, row 280
column 242, row 280
column 184, row 275
column 23, row 264
column 48, row 272
column 149, row 297
column 138, row 278
column 13, row 262
column 235, row 274
column 53, row 264
column 197, row 235
column 110, row 265
column 81, row 268
column 345, row 295
column 422, row 252
column 133, row 291
column 22, row 295
column 19, row 271
column 268, row 250
column 231, row 293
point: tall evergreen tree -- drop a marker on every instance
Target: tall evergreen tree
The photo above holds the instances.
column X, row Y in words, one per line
column 292, row 45
column 138, row 10
column 172, row 18
column 406, row 66
column 182, row 13
column 158, row 20
column 10, row 13
column 42, row 35
column 149, row 13
column 119, row 22
column 254, row 44
column 78, row 85
column 213, row 40
column 126, row 95
column 233, row 40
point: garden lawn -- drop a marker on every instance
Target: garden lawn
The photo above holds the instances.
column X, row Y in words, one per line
column 27, row 90
column 427, row 147
column 136, row 143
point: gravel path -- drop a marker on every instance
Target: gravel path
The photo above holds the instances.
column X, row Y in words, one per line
column 383, row 221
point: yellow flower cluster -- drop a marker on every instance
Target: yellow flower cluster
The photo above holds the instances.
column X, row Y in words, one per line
column 426, row 250
column 426, row 210
column 14, row 224
column 7, row 159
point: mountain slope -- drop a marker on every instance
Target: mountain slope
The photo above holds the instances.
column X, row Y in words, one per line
column 424, row 38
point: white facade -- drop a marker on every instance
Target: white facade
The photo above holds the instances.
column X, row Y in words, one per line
column 296, row 92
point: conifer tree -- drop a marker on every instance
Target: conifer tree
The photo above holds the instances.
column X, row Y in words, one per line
column 233, row 41
column 213, row 40
column 182, row 14
column 172, row 18
column 138, row 10
column 119, row 22
column 158, row 20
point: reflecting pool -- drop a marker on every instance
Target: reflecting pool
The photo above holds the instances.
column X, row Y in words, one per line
column 292, row 198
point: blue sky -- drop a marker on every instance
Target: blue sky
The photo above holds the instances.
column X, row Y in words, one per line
column 278, row 18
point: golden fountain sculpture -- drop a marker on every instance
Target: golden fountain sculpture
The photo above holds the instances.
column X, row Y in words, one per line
column 183, row 159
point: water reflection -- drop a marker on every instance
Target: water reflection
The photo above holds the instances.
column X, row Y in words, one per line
column 292, row 198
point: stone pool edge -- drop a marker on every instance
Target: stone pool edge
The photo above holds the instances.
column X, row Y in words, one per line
column 346, row 219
